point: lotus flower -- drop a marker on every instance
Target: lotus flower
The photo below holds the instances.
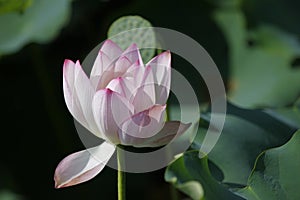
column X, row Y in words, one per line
column 122, row 102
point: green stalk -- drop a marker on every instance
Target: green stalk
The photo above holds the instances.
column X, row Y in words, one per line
column 172, row 189
column 121, row 175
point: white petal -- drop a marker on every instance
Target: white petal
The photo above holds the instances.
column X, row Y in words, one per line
column 111, row 49
column 144, row 97
column 122, row 64
column 133, row 54
column 142, row 125
column 70, row 93
column 122, row 85
column 170, row 131
column 83, row 165
column 111, row 73
column 161, row 64
column 110, row 111
column 101, row 64
column 78, row 93
column 107, row 77
column 136, row 71
column 107, row 57
column 161, row 67
column 115, row 70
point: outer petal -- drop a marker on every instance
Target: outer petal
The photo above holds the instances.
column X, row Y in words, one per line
column 78, row 93
column 142, row 125
column 83, row 165
column 161, row 68
column 170, row 130
column 110, row 111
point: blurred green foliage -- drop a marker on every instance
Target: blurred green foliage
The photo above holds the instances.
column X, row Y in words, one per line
column 260, row 62
column 289, row 115
column 40, row 23
column 14, row 5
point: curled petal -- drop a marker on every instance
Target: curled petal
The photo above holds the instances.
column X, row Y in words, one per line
column 143, row 125
column 83, row 165
column 170, row 131
column 78, row 93
column 110, row 110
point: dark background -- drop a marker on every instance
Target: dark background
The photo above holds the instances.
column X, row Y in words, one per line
column 37, row 130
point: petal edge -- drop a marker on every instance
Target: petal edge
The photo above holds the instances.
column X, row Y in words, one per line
column 82, row 166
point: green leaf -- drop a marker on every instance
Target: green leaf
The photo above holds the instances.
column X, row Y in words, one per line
column 132, row 31
column 14, row 5
column 289, row 115
column 245, row 135
column 189, row 172
column 276, row 173
column 40, row 23
column 260, row 62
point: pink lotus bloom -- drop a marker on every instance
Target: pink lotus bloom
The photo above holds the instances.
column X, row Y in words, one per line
column 122, row 102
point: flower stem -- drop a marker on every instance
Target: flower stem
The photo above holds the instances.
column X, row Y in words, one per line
column 172, row 190
column 121, row 175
